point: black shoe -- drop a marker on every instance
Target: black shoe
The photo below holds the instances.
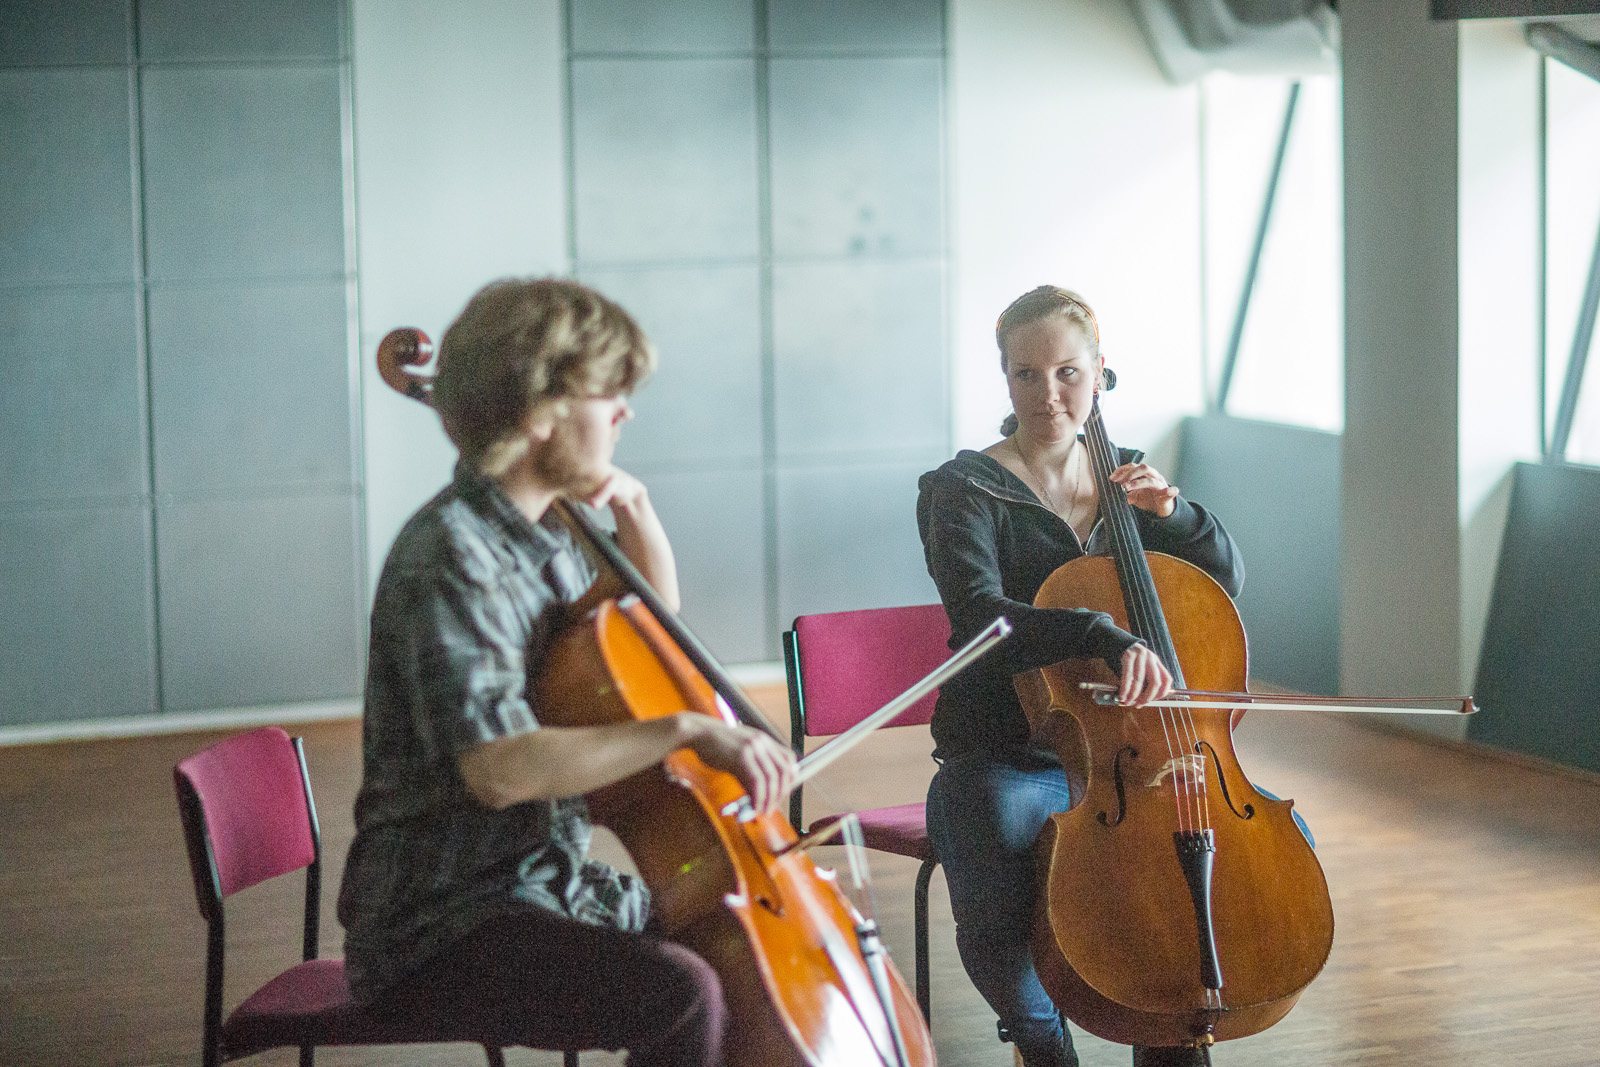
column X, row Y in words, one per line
column 1170, row 1056
column 1053, row 1055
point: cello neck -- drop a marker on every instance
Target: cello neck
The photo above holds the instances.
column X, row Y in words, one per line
column 1146, row 620
column 743, row 708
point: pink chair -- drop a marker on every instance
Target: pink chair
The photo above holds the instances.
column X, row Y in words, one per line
column 844, row 665
column 248, row 816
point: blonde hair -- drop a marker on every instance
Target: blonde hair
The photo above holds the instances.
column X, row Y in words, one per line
column 523, row 343
column 1037, row 305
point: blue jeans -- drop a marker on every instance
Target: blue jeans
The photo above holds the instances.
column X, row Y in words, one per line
column 983, row 816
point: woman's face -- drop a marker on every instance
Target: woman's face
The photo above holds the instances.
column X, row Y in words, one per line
column 1051, row 374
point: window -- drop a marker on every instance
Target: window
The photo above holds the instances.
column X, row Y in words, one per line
column 1572, row 230
column 1289, row 362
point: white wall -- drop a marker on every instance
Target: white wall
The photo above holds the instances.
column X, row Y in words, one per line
column 460, row 140
column 1074, row 162
column 1071, row 161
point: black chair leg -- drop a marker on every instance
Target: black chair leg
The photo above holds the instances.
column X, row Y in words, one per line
column 920, row 908
column 497, row 1057
column 307, row 1054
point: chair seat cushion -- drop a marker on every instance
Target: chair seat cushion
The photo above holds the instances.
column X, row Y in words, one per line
column 901, row 830
column 310, row 1002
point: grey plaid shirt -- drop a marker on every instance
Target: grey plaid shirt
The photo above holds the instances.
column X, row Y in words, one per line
column 470, row 598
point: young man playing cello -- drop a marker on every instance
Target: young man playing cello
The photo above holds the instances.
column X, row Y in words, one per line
column 467, row 892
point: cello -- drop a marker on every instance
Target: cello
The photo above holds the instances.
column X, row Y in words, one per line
column 1177, row 905
column 806, row 979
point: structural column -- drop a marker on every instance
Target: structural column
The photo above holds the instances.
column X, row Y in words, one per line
column 1401, row 556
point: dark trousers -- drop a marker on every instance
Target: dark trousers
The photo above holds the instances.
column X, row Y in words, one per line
column 541, row 980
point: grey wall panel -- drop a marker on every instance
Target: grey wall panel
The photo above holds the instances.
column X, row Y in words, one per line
column 1540, row 665
column 704, row 403
column 715, row 521
column 71, row 410
column 683, row 27
column 66, row 202
column 39, row 32
column 259, row 602
column 250, row 388
column 75, row 619
column 1257, row 478
column 239, row 29
column 856, row 157
column 847, row 538
column 852, row 26
column 664, row 155
column 859, row 358
column 243, row 172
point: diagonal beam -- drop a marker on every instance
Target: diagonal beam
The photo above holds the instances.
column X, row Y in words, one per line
column 1567, row 409
column 1551, row 40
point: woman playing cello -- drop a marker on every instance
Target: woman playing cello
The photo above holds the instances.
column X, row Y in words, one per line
column 468, row 893
column 995, row 524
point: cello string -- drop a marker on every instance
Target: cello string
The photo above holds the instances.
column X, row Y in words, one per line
column 1202, row 784
column 1172, row 759
column 1143, row 616
column 1144, row 608
column 1150, row 622
column 1191, row 766
column 1120, row 510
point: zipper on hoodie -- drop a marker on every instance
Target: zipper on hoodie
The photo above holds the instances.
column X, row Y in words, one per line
column 1083, row 548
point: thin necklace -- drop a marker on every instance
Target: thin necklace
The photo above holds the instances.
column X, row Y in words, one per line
column 1044, row 485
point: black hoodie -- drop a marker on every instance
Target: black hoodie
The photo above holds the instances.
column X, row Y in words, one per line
column 990, row 544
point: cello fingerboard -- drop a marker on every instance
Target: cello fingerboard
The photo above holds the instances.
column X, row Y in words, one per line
column 1145, row 618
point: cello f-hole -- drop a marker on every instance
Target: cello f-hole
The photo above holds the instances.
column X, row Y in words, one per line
column 1122, row 790
column 1249, row 809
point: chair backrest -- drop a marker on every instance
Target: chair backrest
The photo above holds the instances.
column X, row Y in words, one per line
column 247, row 813
column 844, row 665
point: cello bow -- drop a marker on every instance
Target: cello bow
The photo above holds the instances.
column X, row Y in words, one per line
column 1104, row 693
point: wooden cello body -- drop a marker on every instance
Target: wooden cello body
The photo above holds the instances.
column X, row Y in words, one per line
column 774, row 926
column 1177, row 904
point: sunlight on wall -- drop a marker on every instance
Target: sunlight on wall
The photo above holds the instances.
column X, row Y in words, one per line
column 1572, row 224
column 1290, row 366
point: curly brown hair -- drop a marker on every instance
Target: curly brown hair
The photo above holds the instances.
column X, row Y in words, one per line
column 522, row 343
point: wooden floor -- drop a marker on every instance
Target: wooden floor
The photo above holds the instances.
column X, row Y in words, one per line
column 1466, row 889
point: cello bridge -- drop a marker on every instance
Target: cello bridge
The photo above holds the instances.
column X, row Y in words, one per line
column 1188, row 773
